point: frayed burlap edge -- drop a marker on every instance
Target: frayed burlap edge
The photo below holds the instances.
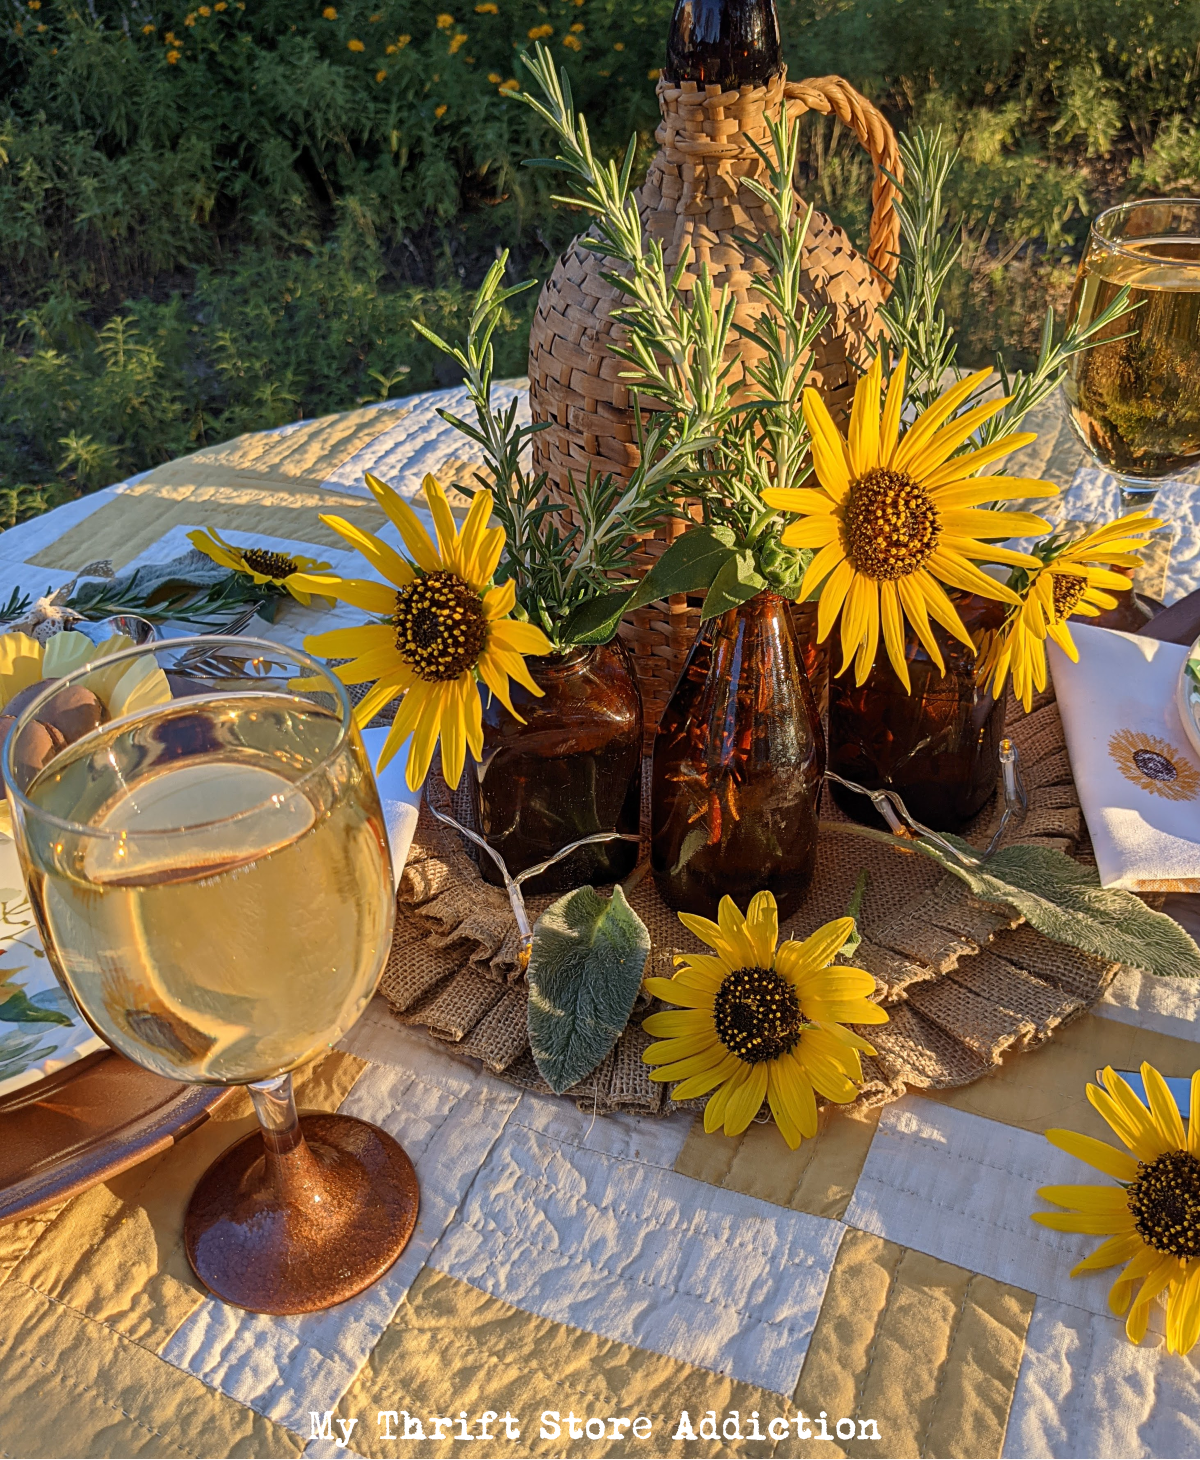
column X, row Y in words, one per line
column 966, row 983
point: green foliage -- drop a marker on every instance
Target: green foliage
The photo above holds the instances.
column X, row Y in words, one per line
column 268, row 195
column 589, row 954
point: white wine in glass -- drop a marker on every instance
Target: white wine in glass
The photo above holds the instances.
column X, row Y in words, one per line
column 211, row 877
column 1134, row 395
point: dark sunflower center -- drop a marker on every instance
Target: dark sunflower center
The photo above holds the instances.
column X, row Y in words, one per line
column 274, row 565
column 1068, row 590
column 757, row 1014
column 440, row 627
column 891, row 524
column 1164, row 1198
column 1156, row 766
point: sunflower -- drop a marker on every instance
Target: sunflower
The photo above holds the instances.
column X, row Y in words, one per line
column 440, row 629
column 1151, row 1220
column 760, row 1022
column 896, row 516
column 1067, row 580
column 264, row 567
column 1154, row 765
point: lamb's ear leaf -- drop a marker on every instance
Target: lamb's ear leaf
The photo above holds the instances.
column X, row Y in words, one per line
column 585, row 970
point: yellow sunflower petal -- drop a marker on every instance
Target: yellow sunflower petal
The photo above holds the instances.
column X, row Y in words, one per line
column 827, row 1076
column 1111, row 1251
column 916, row 439
column 893, row 410
column 804, row 501
column 795, row 1089
column 383, row 692
column 676, row 1023
column 714, row 1111
column 813, row 532
column 500, row 601
column 696, row 1085
column 368, row 667
column 1193, row 1144
column 427, row 729
column 795, row 959
column 336, row 643
column 1143, row 1262
column 213, row 546
column 1183, row 1313
column 518, row 638
column 1099, row 1154
column 1163, row 1109
column 666, row 1051
column 916, row 610
column 1139, row 1314
column 407, row 523
column 762, row 928
column 1095, row 1224
column 961, row 468
column 475, row 543
column 830, row 458
column 449, row 547
column 382, row 558
column 694, row 1064
column 746, row 1101
column 1103, row 1200
column 863, row 435
column 364, row 593
column 833, row 595
column 891, row 621
column 671, row 990
column 1137, row 1115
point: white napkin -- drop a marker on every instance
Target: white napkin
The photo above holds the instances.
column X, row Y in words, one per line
column 1134, row 768
column 400, row 805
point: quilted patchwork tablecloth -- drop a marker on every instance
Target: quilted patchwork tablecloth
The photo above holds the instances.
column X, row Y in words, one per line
column 582, row 1284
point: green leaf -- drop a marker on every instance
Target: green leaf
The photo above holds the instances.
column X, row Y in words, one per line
column 595, row 620
column 1065, row 901
column 737, row 582
column 853, row 908
column 689, row 565
column 17, row 1009
column 586, row 967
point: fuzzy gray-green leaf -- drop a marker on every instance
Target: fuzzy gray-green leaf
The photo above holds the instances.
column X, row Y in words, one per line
column 589, row 953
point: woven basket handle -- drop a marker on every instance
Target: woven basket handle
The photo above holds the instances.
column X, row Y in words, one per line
column 827, row 94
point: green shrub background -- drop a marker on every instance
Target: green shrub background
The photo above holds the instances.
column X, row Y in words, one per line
column 221, row 219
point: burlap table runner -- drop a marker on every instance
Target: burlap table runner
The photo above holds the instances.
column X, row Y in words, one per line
column 965, row 981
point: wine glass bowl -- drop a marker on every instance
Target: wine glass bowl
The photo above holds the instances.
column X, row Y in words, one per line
column 211, row 878
column 1134, row 395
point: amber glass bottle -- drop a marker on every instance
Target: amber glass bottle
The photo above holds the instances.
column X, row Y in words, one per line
column 938, row 747
column 737, row 767
column 572, row 769
column 726, row 43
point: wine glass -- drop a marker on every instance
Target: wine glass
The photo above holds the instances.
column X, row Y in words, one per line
column 210, row 874
column 1134, row 396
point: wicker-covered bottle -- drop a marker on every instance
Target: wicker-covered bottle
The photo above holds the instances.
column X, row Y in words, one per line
column 695, row 197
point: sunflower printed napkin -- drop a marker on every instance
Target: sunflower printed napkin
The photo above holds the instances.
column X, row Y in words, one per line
column 1135, row 770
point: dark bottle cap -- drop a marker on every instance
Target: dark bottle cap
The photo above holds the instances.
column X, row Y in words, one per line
column 726, row 43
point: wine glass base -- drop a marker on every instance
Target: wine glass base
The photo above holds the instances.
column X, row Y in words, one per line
column 309, row 1229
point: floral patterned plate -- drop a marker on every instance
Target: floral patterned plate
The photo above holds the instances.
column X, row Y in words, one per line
column 41, row 1030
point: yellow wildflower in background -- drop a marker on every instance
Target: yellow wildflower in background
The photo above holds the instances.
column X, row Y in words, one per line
column 572, row 43
column 457, row 41
column 760, row 1022
column 512, row 84
column 401, row 42
column 330, row 12
column 147, row 29
column 1069, row 579
column 897, row 516
column 540, row 32
column 264, row 566
column 618, row 45
column 487, row 8
column 444, row 22
column 440, row 110
column 381, row 74
column 494, row 77
column 1151, row 1219
column 355, row 45
column 441, row 629
column 173, row 57
column 653, row 74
